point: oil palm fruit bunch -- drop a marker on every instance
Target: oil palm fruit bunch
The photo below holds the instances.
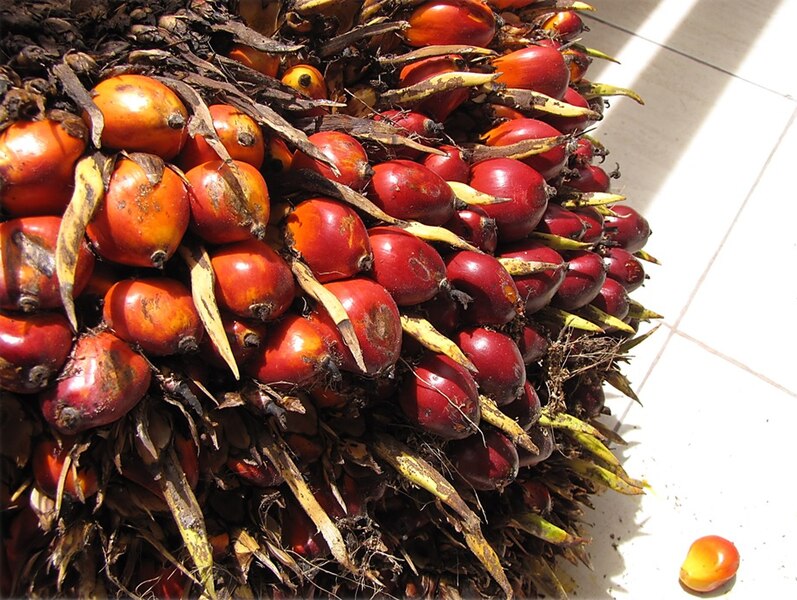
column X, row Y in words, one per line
column 306, row 297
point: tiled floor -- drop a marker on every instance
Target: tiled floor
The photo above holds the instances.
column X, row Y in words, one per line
column 710, row 160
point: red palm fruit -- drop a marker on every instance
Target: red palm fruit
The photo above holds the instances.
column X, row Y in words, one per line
column 583, row 153
column 245, row 337
column 509, row 4
column 238, row 133
column 377, row 324
column 612, row 299
column 441, row 311
column 564, row 25
column 536, row 496
column 260, row 474
column 299, row 533
column 28, row 281
column 442, row 104
column 475, row 226
column 451, row 167
column 538, row 68
column 37, row 160
column 101, row 382
column 578, row 62
column 526, row 408
column 141, row 115
column 533, row 344
column 164, row 583
column 187, row 456
column 589, row 178
column 48, row 461
column 408, row 190
column 252, row 281
column 536, row 289
column 295, row 351
column 588, row 398
column 262, row 62
column 226, row 208
column 584, row 277
column 33, row 348
column 562, row 222
column 344, row 151
column 141, row 223
column 525, row 188
column 494, row 298
column 487, row 461
column 410, row 269
column 627, row 228
column 501, row 372
column 544, row 440
column 411, row 124
column 156, row 314
column 440, row 396
column 624, row 267
column 548, row 164
column 593, row 223
column 24, row 536
column 454, row 22
column 571, row 124
column 278, row 156
column 330, row 237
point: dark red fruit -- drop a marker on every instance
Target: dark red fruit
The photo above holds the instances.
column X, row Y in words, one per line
column 583, row 153
column 593, row 223
column 624, row 267
column 475, row 226
column 33, row 348
column 330, row 238
column 252, row 281
column 101, row 382
column 344, row 151
column 28, row 280
column 452, row 166
column 441, row 311
column 536, row 289
column 164, row 583
column 525, row 188
column 532, row 343
column 584, row 277
column 257, row 473
column 408, row 190
column 562, row 222
column 411, row 124
column 452, row 22
column 441, row 396
column 627, row 228
column 526, row 408
column 442, row 104
column 493, row 296
column 590, row 178
column 405, row 265
column 612, row 299
column 536, row 496
column 587, row 398
column 571, row 124
column 244, row 337
column 539, row 68
column 548, row 164
column 487, row 461
column 48, row 462
column 501, row 372
column 544, row 440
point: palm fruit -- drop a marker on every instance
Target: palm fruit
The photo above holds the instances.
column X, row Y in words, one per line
column 307, row 294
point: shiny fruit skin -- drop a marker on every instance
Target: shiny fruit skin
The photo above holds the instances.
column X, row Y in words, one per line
column 538, row 68
column 549, row 163
column 564, row 25
column 408, row 190
column 543, row 438
column 28, row 281
column 571, row 124
column 262, row 62
column 590, row 178
column 100, row 383
column 410, row 124
column 140, row 224
column 238, row 133
column 410, row 269
column 487, row 462
column 627, row 228
column 584, row 277
column 526, row 408
column 141, row 115
column 245, row 337
column 307, row 80
column 578, row 62
column 330, row 238
column 48, row 461
column 624, row 267
column 442, row 104
column 532, row 343
column 252, row 280
column 536, row 290
column 215, row 213
column 344, row 151
column 377, row 324
column 33, row 348
column 612, row 299
column 259, row 474
column 593, row 223
column 495, row 296
column 295, row 352
column 525, row 188
column 441, row 397
column 156, row 314
column 501, row 372
column 562, row 222
column 451, row 167
column 37, row 160
column 451, row 22
column 710, row 563
column 475, row 226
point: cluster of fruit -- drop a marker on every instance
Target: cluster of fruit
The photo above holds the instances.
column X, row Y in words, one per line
column 291, row 293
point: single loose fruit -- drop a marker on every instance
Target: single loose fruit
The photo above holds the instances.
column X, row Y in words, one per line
column 711, row 562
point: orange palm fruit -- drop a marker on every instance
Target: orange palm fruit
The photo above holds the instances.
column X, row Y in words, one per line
column 37, row 159
column 440, row 105
column 469, row 22
column 711, row 562
column 538, row 68
column 564, row 25
column 48, row 461
column 262, row 62
column 307, row 80
column 141, row 222
column 141, row 115
column 278, row 156
column 344, row 151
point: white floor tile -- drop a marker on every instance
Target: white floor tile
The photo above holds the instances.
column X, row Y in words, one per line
column 711, row 440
